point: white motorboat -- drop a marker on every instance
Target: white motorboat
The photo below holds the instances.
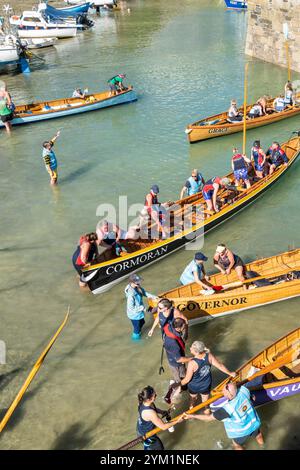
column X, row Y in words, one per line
column 9, row 49
column 38, row 43
column 33, row 24
column 96, row 3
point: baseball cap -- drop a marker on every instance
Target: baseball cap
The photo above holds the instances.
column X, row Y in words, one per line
column 135, row 278
column 155, row 189
column 200, row 256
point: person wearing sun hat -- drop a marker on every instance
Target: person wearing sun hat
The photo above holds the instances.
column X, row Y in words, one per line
column 225, row 260
column 233, row 113
column 134, row 293
column 195, row 272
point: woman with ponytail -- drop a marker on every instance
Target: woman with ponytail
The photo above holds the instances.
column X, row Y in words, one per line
column 148, row 418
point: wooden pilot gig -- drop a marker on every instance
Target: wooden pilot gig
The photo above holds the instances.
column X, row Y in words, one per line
column 111, row 269
column 280, row 383
column 219, row 125
column 43, row 110
column 279, row 280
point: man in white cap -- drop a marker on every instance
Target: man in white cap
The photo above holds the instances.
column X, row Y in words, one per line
column 225, row 260
column 238, row 415
column 135, row 305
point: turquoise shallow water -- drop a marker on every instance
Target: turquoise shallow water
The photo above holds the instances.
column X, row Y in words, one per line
column 185, row 60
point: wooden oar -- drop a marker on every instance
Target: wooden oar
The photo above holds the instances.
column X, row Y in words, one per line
column 249, row 281
column 245, row 108
column 31, row 375
column 286, row 359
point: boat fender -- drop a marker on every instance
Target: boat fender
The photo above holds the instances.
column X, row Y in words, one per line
column 260, row 282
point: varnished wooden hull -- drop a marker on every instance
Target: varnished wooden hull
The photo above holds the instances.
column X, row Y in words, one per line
column 281, row 383
column 66, row 107
column 198, row 308
column 196, row 132
column 102, row 276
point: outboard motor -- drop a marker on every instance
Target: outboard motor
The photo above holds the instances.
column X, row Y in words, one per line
column 84, row 20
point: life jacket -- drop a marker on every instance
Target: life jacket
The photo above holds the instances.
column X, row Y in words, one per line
column 277, row 156
column 243, row 418
column 83, row 239
column 154, row 200
column 257, row 157
column 196, row 185
column 179, row 340
column 209, row 185
column 238, row 162
column 280, row 104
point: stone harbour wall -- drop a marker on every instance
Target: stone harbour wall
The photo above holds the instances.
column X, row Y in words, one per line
column 265, row 36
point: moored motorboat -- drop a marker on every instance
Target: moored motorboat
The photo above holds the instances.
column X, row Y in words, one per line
column 269, row 280
column 61, row 12
column 38, row 43
column 9, row 50
column 219, row 125
column 236, row 4
column 34, row 24
column 51, row 109
column 192, row 221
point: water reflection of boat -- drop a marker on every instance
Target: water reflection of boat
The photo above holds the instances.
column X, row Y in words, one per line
column 41, row 111
column 269, row 279
column 190, row 221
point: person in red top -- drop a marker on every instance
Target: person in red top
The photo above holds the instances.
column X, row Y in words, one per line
column 258, row 157
column 210, row 191
column 84, row 254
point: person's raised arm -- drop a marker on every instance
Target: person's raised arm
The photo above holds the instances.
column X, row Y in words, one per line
column 55, row 137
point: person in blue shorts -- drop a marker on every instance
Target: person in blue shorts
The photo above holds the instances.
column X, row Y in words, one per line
column 239, row 164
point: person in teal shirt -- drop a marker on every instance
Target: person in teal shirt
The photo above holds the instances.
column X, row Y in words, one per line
column 116, row 84
column 195, row 272
column 6, row 113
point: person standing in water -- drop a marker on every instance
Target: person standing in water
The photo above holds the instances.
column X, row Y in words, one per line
column 6, row 113
column 49, row 158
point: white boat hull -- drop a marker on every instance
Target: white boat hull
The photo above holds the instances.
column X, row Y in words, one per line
column 48, row 33
column 38, row 43
column 8, row 55
column 96, row 3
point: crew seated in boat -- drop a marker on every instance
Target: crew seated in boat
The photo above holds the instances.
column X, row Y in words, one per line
column 288, row 94
column 85, row 253
column 116, row 84
column 78, row 93
column 258, row 157
column 225, row 260
column 279, row 104
column 233, row 113
column 193, row 184
column 154, row 210
column 276, row 157
column 211, row 189
column 195, row 272
column 256, row 111
column 239, row 164
column 110, row 236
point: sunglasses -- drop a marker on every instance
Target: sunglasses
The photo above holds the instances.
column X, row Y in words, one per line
column 194, row 176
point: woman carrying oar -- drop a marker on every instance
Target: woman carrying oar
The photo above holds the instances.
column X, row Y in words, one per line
column 238, row 415
column 148, row 418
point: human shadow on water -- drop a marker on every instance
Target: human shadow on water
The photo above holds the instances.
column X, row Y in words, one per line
column 78, row 173
column 75, row 437
column 6, row 378
column 291, row 440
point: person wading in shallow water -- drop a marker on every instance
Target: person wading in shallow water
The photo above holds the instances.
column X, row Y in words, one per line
column 148, row 418
column 238, row 415
column 135, row 306
column 49, row 158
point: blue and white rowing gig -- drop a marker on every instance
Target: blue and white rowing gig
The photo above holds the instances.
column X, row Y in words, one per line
column 43, row 110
